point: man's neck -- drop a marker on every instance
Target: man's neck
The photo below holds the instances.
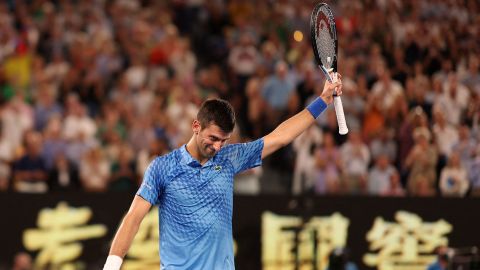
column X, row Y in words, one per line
column 192, row 149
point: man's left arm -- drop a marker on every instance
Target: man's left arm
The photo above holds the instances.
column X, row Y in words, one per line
column 295, row 125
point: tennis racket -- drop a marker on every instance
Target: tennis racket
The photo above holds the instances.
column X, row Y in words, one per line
column 325, row 47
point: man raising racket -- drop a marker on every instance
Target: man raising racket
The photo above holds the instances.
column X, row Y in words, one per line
column 193, row 187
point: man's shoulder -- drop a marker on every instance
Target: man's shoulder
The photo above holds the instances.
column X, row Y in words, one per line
column 172, row 157
column 166, row 166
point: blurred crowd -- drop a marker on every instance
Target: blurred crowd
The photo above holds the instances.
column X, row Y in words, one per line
column 91, row 91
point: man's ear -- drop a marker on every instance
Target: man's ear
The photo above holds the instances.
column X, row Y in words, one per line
column 196, row 127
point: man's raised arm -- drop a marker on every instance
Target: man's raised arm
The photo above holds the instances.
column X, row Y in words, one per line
column 295, row 125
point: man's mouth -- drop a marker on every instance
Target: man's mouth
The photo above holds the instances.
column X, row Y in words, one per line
column 210, row 150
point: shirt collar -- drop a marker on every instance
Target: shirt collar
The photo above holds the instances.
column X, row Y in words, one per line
column 187, row 159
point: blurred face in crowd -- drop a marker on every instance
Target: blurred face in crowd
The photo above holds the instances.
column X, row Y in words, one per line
column 328, row 139
column 354, row 137
column 386, row 77
column 33, row 141
column 473, row 64
column 281, row 69
column 454, row 160
column 22, row 261
column 422, row 138
column 382, row 162
column 464, row 132
column 439, row 118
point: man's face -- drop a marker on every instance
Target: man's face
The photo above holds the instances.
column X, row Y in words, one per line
column 210, row 139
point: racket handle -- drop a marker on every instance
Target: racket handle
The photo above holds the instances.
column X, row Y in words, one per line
column 337, row 103
column 342, row 124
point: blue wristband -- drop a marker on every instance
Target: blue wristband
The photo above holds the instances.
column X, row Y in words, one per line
column 317, row 107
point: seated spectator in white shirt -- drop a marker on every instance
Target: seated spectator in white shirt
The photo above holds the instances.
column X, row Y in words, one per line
column 454, row 178
column 379, row 176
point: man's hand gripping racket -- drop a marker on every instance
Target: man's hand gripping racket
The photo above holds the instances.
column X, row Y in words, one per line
column 334, row 77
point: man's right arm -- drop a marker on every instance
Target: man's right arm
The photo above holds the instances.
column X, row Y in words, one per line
column 126, row 232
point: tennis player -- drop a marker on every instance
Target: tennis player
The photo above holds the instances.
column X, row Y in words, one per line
column 193, row 187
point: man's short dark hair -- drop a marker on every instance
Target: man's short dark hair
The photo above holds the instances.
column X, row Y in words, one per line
column 218, row 112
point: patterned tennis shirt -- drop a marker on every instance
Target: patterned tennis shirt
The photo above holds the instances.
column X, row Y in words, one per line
column 196, row 203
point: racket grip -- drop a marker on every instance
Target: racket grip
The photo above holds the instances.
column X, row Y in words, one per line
column 337, row 103
column 342, row 124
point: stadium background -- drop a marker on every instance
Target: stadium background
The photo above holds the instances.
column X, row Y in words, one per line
column 91, row 90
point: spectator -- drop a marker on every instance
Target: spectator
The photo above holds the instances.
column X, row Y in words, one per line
column 243, row 59
column 17, row 118
column 7, row 151
column 415, row 118
column 255, row 112
column 45, row 106
column 474, row 173
column 122, row 92
column 277, row 91
column 63, row 176
column 77, row 147
column 182, row 110
column 327, row 167
column 112, row 132
column 383, row 144
column 339, row 259
column 454, row 178
column 141, row 133
column 447, row 68
column 30, row 173
column 123, row 176
column 465, row 146
column 77, row 123
column 307, row 87
column 416, row 94
column 22, row 261
column 53, row 143
column 94, row 171
column 471, row 78
column 380, row 176
column 374, row 119
column 453, row 101
column 355, row 161
column 395, row 188
column 421, row 162
column 183, row 62
column 136, row 74
column 445, row 136
column 304, row 146
column 443, row 259
column 388, row 91
column 143, row 100
column 353, row 104
column 57, row 69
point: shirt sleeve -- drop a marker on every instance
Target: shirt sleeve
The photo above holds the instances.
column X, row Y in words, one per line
column 153, row 183
column 244, row 156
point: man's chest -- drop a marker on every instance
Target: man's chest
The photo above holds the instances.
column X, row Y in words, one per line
column 200, row 186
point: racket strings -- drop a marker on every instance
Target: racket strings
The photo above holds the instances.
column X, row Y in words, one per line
column 323, row 39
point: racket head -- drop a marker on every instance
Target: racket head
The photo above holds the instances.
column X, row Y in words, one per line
column 324, row 37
